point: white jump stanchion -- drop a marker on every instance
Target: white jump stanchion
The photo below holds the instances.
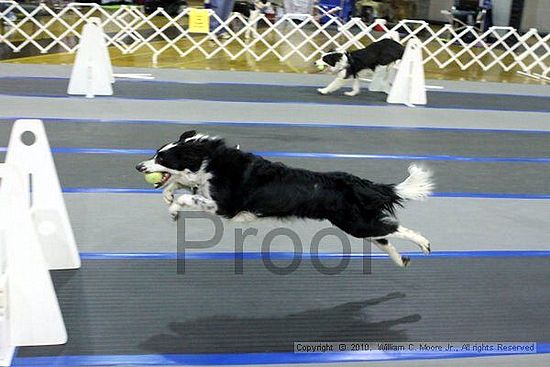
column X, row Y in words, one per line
column 409, row 85
column 6, row 349
column 45, row 200
column 31, row 313
column 103, row 49
column 92, row 73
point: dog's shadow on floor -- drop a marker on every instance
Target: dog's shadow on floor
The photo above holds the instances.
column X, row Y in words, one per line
column 225, row 334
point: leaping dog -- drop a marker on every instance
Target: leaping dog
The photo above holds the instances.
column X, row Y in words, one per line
column 243, row 186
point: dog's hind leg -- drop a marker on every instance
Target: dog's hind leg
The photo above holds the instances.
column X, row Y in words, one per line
column 355, row 89
column 384, row 245
column 375, row 230
column 409, row 234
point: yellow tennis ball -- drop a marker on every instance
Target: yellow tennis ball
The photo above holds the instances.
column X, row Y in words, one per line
column 153, row 178
column 321, row 67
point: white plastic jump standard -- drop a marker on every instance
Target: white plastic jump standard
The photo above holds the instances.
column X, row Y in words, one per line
column 47, row 207
column 6, row 350
column 409, row 86
column 31, row 313
column 92, row 73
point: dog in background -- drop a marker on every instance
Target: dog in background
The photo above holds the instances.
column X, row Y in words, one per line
column 252, row 10
column 243, row 186
column 347, row 65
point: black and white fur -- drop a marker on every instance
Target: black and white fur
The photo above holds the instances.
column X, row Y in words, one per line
column 252, row 11
column 243, row 186
column 347, row 65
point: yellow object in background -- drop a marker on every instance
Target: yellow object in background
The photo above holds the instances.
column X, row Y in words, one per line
column 199, row 21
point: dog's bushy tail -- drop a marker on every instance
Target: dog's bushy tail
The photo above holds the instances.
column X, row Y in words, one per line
column 418, row 186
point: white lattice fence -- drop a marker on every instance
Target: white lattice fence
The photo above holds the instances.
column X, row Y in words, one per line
column 130, row 30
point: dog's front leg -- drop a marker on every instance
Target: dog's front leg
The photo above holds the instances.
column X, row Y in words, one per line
column 355, row 89
column 168, row 193
column 193, row 202
column 335, row 85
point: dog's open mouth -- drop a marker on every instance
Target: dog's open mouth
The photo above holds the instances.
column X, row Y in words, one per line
column 165, row 177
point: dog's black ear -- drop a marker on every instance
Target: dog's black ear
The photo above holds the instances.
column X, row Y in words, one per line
column 188, row 134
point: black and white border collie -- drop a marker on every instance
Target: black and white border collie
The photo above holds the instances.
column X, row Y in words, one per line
column 243, row 186
column 347, row 65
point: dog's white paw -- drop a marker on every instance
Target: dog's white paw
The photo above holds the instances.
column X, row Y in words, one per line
column 243, row 217
column 174, row 216
column 351, row 93
column 185, row 200
column 174, row 211
column 168, row 197
column 323, row 91
column 425, row 246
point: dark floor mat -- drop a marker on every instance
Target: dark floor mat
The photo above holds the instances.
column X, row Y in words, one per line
column 144, row 307
column 57, row 87
column 118, row 171
column 367, row 140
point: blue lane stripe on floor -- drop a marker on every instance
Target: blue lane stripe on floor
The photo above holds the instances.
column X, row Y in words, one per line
column 318, row 155
column 227, row 359
column 405, row 157
column 479, row 195
column 276, row 124
column 306, row 255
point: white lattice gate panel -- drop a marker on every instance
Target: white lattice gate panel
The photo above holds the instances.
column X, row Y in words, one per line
column 294, row 36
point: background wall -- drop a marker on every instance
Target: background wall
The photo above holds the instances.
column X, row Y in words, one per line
column 501, row 10
column 536, row 14
column 435, row 9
